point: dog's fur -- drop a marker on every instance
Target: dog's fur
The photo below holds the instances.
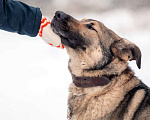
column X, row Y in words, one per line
column 95, row 50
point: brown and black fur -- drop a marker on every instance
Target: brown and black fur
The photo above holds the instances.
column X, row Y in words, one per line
column 94, row 51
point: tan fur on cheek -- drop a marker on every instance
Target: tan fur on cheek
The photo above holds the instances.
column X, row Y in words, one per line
column 91, row 57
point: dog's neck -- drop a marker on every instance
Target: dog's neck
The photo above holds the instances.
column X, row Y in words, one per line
column 114, row 68
column 102, row 77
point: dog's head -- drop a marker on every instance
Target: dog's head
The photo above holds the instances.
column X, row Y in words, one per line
column 91, row 43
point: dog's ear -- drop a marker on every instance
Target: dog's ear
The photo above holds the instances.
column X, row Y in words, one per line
column 126, row 50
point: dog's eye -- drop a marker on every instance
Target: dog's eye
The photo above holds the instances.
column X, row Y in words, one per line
column 90, row 26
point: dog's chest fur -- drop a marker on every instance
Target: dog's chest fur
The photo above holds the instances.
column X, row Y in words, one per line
column 99, row 103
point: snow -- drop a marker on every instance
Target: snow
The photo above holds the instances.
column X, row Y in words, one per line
column 34, row 77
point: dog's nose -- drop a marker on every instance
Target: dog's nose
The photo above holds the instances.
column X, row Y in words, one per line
column 60, row 15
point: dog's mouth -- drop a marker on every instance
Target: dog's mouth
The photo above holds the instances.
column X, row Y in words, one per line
column 60, row 26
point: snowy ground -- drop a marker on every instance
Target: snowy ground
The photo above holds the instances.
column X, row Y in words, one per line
column 34, row 76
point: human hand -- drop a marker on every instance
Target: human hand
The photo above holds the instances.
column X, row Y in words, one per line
column 46, row 33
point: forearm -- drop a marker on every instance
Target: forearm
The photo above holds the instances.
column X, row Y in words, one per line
column 18, row 17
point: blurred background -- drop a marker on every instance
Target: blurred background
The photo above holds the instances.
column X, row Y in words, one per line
column 34, row 76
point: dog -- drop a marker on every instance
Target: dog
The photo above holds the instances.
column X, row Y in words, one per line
column 104, row 86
